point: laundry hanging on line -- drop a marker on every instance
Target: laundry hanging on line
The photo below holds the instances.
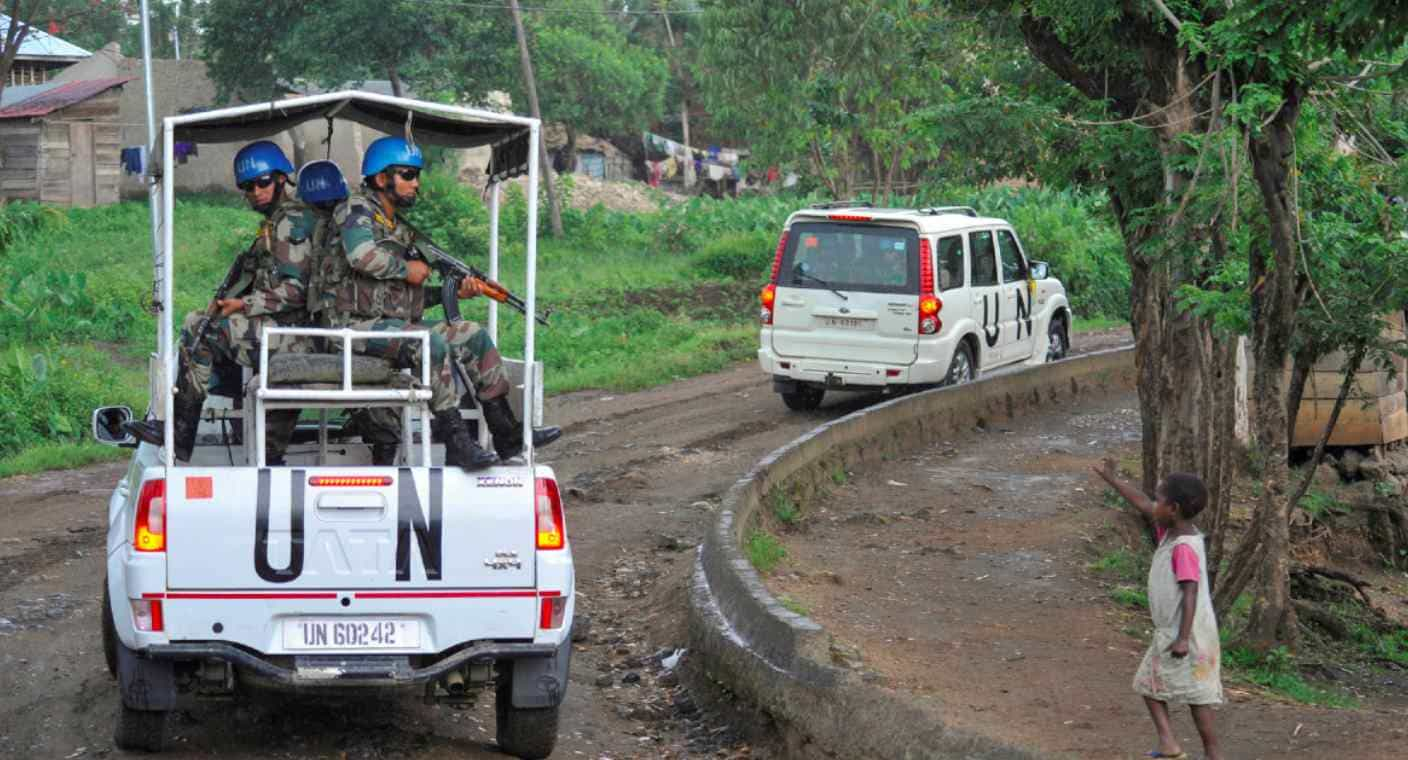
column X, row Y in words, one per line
column 134, row 159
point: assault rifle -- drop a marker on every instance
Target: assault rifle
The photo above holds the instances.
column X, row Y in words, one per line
column 225, row 290
column 453, row 271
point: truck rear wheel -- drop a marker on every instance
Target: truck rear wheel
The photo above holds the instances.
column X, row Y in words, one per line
column 529, row 733
column 143, row 730
column 960, row 369
column 804, row 399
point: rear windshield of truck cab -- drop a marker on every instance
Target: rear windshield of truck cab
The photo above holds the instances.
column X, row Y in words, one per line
column 856, row 257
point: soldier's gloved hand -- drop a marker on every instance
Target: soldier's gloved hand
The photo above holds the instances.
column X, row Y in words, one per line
column 470, row 287
column 229, row 306
column 416, row 272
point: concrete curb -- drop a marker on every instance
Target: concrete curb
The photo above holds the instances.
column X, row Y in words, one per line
column 781, row 661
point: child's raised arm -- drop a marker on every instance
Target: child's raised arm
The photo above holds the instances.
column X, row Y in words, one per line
column 1106, row 471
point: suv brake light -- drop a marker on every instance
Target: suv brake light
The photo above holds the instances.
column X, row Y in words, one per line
column 769, row 294
column 849, row 218
column 150, row 532
column 929, row 304
column 552, row 533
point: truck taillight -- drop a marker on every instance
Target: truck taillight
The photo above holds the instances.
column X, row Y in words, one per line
column 769, row 294
column 146, row 615
column 768, row 298
column 552, row 533
column 150, row 532
column 553, row 609
column 929, row 304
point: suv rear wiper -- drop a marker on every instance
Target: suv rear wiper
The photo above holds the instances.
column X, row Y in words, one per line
column 820, row 282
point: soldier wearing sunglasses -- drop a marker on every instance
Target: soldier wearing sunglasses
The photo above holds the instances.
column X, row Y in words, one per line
column 272, row 290
column 383, row 288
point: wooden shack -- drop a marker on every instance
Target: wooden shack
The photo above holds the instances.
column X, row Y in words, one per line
column 1374, row 413
column 62, row 145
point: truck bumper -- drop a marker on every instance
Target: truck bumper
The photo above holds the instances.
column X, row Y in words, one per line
column 788, row 371
column 356, row 671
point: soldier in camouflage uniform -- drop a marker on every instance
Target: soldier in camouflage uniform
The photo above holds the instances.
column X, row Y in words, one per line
column 272, row 291
column 379, row 285
column 322, row 186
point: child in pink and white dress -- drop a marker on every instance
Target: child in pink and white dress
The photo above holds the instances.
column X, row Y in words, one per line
column 1184, row 661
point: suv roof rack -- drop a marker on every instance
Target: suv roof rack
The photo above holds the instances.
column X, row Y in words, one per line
column 842, row 204
column 937, row 210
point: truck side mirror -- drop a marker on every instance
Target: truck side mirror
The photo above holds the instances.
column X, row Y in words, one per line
column 1040, row 270
column 108, row 422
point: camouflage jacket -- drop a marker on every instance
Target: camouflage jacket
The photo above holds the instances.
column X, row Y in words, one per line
column 279, row 265
column 375, row 249
column 329, row 267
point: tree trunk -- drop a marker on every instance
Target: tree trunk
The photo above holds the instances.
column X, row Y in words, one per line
column 688, row 168
column 300, row 147
column 394, row 77
column 1300, row 374
column 14, row 37
column 1275, row 300
column 569, row 150
column 529, row 84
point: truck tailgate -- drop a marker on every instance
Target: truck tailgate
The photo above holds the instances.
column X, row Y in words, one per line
column 236, row 528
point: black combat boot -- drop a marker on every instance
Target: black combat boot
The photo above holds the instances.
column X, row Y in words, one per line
column 186, row 419
column 461, row 450
column 384, row 454
column 508, row 432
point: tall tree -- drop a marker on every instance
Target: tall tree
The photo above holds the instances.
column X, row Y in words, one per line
column 849, row 86
column 530, row 85
column 1189, row 79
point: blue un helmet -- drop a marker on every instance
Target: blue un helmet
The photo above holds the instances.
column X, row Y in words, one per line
column 390, row 151
column 321, row 182
column 259, row 158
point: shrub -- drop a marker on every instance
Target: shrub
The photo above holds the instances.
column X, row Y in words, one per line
column 20, row 219
column 47, row 395
column 739, row 256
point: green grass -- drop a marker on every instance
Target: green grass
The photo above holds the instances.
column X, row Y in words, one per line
column 1092, row 324
column 764, row 551
column 794, row 605
column 839, row 476
column 59, row 456
column 1276, row 671
column 1120, row 563
column 1130, row 596
column 784, row 509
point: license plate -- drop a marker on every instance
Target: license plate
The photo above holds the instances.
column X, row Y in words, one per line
column 847, row 323
column 350, row 634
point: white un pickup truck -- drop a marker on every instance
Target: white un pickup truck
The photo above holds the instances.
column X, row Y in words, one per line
column 327, row 574
column 864, row 298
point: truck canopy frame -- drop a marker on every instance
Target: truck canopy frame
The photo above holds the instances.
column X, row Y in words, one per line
column 515, row 142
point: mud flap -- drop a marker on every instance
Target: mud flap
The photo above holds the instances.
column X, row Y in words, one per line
column 542, row 681
column 145, row 684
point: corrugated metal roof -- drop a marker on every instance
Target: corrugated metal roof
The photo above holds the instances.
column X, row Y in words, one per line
column 62, row 96
column 17, row 93
column 41, row 44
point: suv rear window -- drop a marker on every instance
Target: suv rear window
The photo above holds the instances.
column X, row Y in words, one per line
column 858, row 257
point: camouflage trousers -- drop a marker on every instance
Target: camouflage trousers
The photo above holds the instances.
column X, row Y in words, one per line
column 235, row 340
column 468, row 344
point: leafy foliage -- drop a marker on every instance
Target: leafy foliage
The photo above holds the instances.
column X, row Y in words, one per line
column 738, row 256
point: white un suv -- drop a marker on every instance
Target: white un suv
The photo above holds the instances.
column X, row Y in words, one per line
column 864, row 298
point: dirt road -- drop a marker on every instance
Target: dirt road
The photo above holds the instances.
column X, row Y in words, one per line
column 642, row 472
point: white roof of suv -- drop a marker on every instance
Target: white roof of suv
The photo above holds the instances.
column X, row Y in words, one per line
column 929, row 219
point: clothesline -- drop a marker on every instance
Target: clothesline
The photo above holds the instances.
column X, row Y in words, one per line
column 713, row 153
